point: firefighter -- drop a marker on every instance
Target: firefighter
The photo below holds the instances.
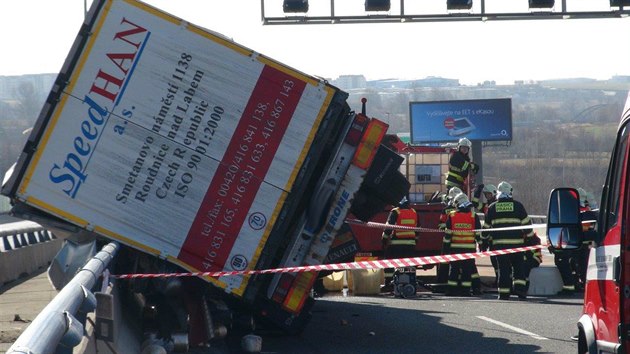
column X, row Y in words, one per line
column 507, row 212
column 490, row 196
column 459, row 166
column 531, row 259
column 443, row 268
column 399, row 243
column 562, row 260
column 572, row 264
column 580, row 261
column 459, row 232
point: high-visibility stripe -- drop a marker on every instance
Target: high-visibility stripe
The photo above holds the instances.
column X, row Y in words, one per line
column 520, row 282
column 457, row 177
column 464, row 239
column 453, row 184
column 402, row 242
column 507, row 241
column 464, row 245
column 466, row 284
column 504, row 290
column 500, row 221
column 406, row 217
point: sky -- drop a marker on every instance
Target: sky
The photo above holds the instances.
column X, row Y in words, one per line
column 37, row 36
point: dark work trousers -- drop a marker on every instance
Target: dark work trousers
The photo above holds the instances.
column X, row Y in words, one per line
column 562, row 259
column 476, row 278
column 511, row 274
column 460, row 277
column 442, row 271
column 495, row 265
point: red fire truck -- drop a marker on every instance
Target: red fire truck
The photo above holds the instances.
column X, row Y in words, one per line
column 604, row 326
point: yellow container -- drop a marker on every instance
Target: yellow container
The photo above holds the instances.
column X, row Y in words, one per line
column 334, row 281
column 367, row 281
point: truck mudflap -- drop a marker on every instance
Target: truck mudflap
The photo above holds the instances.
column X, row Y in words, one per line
column 292, row 290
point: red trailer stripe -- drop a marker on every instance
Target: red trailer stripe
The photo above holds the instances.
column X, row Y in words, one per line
column 242, row 170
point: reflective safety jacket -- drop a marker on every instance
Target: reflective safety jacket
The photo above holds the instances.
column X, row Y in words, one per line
column 402, row 217
column 458, row 167
column 459, row 226
column 506, row 212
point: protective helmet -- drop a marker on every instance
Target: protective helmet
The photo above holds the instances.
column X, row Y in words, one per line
column 460, row 199
column 490, row 188
column 404, row 203
column 464, row 142
column 583, row 197
column 453, row 192
column 505, row 189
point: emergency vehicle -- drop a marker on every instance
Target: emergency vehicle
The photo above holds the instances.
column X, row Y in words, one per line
column 604, row 326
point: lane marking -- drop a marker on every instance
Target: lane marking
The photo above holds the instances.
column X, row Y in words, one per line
column 512, row 328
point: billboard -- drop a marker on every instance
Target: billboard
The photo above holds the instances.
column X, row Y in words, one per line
column 444, row 121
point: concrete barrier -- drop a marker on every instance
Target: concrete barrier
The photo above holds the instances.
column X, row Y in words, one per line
column 544, row 280
column 26, row 260
column 25, row 247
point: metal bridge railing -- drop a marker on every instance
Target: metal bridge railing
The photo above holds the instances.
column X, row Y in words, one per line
column 56, row 326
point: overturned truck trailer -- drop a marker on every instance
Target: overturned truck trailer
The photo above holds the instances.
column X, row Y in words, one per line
column 196, row 153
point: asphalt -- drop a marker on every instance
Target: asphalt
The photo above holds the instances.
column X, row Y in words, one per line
column 22, row 300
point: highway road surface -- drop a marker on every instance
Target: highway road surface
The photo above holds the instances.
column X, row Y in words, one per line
column 382, row 323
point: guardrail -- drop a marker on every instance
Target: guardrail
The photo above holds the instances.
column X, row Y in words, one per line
column 57, row 325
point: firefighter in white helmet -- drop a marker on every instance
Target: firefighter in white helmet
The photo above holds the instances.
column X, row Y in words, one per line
column 443, row 268
column 489, row 196
column 459, row 165
column 459, row 233
column 507, row 212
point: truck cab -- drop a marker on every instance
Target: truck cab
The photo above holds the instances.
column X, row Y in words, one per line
column 605, row 321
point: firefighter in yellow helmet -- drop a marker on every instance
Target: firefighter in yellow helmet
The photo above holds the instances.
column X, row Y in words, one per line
column 400, row 243
column 459, row 165
column 459, row 232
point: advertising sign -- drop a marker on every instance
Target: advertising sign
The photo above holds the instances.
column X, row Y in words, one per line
column 174, row 140
column 445, row 121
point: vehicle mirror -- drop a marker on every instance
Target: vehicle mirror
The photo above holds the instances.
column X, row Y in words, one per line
column 563, row 219
column 565, row 238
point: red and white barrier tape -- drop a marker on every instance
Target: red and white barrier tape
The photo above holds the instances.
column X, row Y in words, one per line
column 377, row 264
column 377, row 225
